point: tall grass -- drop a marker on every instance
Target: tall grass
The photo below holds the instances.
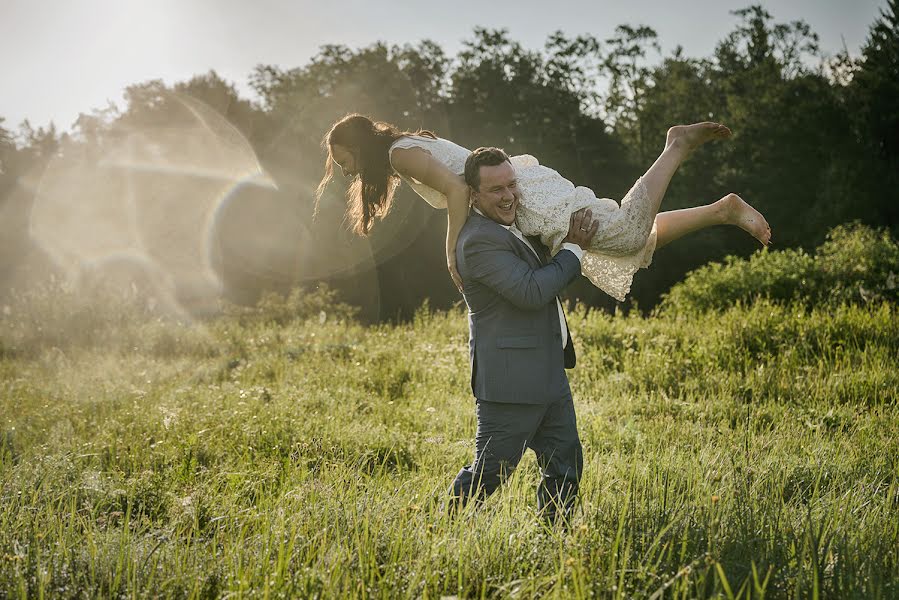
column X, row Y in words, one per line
column 745, row 453
column 749, row 452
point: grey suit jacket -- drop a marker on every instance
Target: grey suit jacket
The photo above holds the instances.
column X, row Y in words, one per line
column 515, row 338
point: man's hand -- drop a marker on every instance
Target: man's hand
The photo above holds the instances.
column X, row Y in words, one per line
column 582, row 228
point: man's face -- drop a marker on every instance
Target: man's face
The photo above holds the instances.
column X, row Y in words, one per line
column 497, row 197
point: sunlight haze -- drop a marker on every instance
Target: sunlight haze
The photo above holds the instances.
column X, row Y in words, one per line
column 63, row 58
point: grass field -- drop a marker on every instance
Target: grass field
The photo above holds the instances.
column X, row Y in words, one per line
column 748, row 453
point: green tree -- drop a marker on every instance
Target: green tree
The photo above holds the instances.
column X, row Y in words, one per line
column 870, row 173
column 629, row 84
column 7, row 149
column 815, row 142
column 22, row 164
column 222, row 97
column 541, row 103
column 875, row 85
column 787, row 120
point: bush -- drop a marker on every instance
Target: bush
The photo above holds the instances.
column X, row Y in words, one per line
column 856, row 265
column 300, row 305
column 55, row 315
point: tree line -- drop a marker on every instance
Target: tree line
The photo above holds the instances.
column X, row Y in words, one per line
column 816, row 144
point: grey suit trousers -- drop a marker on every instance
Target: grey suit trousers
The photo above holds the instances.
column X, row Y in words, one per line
column 505, row 431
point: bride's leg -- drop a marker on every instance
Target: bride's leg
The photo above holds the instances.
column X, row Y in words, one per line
column 681, row 141
column 627, row 232
column 729, row 210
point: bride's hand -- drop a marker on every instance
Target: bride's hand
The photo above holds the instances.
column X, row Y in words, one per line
column 454, row 273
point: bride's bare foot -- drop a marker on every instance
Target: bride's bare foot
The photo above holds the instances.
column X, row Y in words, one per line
column 735, row 211
column 690, row 137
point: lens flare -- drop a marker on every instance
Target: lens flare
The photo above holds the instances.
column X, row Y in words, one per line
column 149, row 191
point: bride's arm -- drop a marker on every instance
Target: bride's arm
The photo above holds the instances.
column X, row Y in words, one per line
column 417, row 164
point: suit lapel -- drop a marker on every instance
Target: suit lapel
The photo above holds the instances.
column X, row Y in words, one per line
column 532, row 258
column 523, row 249
column 542, row 251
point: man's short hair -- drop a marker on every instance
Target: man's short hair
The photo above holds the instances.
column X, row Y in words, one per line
column 482, row 157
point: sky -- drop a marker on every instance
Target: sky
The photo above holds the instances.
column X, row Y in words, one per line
column 60, row 58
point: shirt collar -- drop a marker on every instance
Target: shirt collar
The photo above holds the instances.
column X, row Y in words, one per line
column 506, row 227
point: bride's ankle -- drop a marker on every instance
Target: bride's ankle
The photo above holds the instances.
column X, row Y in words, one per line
column 725, row 207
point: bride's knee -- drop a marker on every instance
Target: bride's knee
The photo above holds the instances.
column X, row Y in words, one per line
column 632, row 242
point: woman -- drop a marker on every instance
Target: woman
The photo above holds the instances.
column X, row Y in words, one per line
column 378, row 155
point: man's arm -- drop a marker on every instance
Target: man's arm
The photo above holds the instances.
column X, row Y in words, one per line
column 494, row 263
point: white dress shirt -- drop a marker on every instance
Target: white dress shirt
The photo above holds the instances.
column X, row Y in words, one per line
column 574, row 248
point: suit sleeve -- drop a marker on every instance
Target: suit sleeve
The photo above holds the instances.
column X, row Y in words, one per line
column 493, row 263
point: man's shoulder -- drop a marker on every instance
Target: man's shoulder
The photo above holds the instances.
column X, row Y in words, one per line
column 481, row 228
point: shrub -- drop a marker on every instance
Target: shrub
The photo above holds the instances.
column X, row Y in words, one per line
column 855, row 265
column 54, row 315
column 300, row 305
column 859, row 264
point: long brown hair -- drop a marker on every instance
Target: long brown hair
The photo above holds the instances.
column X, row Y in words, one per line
column 370, row 195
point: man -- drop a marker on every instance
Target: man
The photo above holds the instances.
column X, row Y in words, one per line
column 519, row 341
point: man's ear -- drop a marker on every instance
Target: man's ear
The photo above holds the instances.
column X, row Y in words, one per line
column 472, row 196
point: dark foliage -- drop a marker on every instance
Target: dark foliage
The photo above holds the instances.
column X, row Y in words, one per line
column 816, row 144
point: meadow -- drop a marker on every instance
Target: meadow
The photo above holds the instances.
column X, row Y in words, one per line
column 291, row 451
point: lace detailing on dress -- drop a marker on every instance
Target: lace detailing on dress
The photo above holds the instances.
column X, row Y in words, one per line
column 450, row 154
column 614, row 274
column 624, row 242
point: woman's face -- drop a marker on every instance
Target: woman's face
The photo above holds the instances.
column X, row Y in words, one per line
column 345, row 159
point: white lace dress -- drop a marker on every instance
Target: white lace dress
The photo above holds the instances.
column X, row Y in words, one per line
column 626, row 238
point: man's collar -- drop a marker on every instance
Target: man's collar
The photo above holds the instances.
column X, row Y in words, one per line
column 475, row 209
